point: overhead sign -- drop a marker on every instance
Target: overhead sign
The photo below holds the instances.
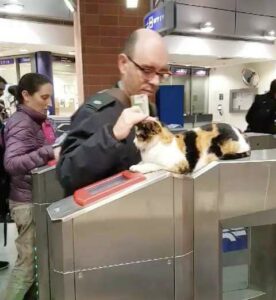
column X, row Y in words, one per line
column 161, row 19
column 6, row 61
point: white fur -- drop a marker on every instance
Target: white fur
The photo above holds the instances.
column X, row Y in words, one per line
column 244, row 146
column 164, row 156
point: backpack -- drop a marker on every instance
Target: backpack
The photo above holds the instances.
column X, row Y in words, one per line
column 4, row 185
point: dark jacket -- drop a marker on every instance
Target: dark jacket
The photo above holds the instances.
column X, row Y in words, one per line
column 26, row 149
column 261, row 115
column 91, row 152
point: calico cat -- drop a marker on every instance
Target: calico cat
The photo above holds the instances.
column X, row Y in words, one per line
column 188, row 152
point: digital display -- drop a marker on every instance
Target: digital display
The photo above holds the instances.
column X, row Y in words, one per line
column 106, row 185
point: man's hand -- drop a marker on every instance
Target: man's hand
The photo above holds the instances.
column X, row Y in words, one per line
column 128, row 118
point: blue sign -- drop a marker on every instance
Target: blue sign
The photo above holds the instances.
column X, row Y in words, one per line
column 156, row 20
column 161, row 19
column 6, row 61
column 23, row 60
column 234, row 239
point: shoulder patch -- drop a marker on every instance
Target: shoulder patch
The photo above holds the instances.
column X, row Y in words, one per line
column 100, row 101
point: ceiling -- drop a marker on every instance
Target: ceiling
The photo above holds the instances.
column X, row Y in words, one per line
column 50, row 9
column 9, row 49
column 210, row 61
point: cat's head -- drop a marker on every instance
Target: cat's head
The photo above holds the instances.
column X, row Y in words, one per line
column 148, row 133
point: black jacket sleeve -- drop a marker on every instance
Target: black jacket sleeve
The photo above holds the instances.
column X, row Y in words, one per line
column 91, row 152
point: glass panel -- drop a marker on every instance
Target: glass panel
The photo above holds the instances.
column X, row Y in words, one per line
column 199, row 91
column 249, row 263
column 65, row 87
column 24, row 65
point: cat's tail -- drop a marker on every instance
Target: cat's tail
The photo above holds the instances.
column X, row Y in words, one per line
column 229, row 156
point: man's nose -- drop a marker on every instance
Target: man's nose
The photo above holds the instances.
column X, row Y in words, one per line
column 155, row 80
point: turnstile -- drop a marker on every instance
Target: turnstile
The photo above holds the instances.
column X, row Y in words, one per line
column 46, row 190
column 161, row 238
column 260, row 141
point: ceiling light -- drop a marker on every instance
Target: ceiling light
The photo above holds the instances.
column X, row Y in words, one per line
column 23, row 50
column 71, row 52
column 207, row 27
column 132, row 3
column 13, row 6
column 270, row 35
column 70, row 5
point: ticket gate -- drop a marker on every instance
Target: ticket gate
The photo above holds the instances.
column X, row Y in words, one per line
column 161, row 237
column 46, row 190
column 260, row 141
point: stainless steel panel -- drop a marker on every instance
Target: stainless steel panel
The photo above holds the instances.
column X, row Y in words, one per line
column 184, row 282
column 242, row 188
column 62, row 286
column 259, row 141
column 42, row 251
column 271, row 191
column 189, row 18
column 61, row 246
column 61, row 258
column 207, row 237
column 253, row 26
column 263, row 259
column 222, row 4
column 264, row 7
column 138, row 227
column 144, row 281
column 183, row 214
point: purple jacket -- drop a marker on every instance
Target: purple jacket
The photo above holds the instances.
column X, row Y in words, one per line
column 26, row 149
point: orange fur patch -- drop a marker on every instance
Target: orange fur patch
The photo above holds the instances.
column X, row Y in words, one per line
column 166, row 136
column 204, row 138
column 180, row 168
column 229, row 147
column 180, row 142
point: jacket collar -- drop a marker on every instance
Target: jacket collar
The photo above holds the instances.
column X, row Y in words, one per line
column 33, row 114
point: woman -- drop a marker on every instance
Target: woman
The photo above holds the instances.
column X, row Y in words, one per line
column 28, row 139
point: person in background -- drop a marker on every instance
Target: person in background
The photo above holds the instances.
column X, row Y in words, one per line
column 3, row 112
column 100, row 142
column 261, row 116
column 28, row 139
column 3, row 264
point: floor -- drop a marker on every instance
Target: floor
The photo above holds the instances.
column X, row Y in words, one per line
column 7, row 253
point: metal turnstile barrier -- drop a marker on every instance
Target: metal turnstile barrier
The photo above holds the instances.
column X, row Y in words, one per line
column 259, row 141
column 46, row 190
column 162, row 238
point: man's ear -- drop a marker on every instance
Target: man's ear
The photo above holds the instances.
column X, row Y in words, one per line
column 122, row 63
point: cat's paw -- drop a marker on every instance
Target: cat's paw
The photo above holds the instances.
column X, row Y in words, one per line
column 145, row 168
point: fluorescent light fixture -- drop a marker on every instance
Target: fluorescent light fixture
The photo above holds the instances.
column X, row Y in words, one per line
column 270, row 35
column 132, row 3
column 207, row 27
column 23, row 50
column 13, row 6
column 70, row 5
column 71, row 52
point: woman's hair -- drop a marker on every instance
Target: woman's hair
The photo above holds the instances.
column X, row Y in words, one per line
column 30, row 82
column 273, row 87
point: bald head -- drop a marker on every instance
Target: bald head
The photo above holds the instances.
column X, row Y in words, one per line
column 142, row 61
column 141, row 38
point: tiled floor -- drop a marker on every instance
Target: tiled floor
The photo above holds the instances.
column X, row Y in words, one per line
column 7, row 253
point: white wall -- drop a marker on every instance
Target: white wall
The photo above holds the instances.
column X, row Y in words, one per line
column 222, row 80
column 33, row 33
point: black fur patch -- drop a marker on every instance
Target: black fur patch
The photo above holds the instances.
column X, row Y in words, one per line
column 235, row 155
column 207, row 127
column 192, row 153
column 226, row 132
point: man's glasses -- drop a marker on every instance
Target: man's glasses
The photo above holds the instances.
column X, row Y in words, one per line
column 149, row 73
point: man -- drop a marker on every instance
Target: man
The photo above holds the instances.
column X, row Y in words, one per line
column 100, row 143
column 261, row 116
column 3, row 82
